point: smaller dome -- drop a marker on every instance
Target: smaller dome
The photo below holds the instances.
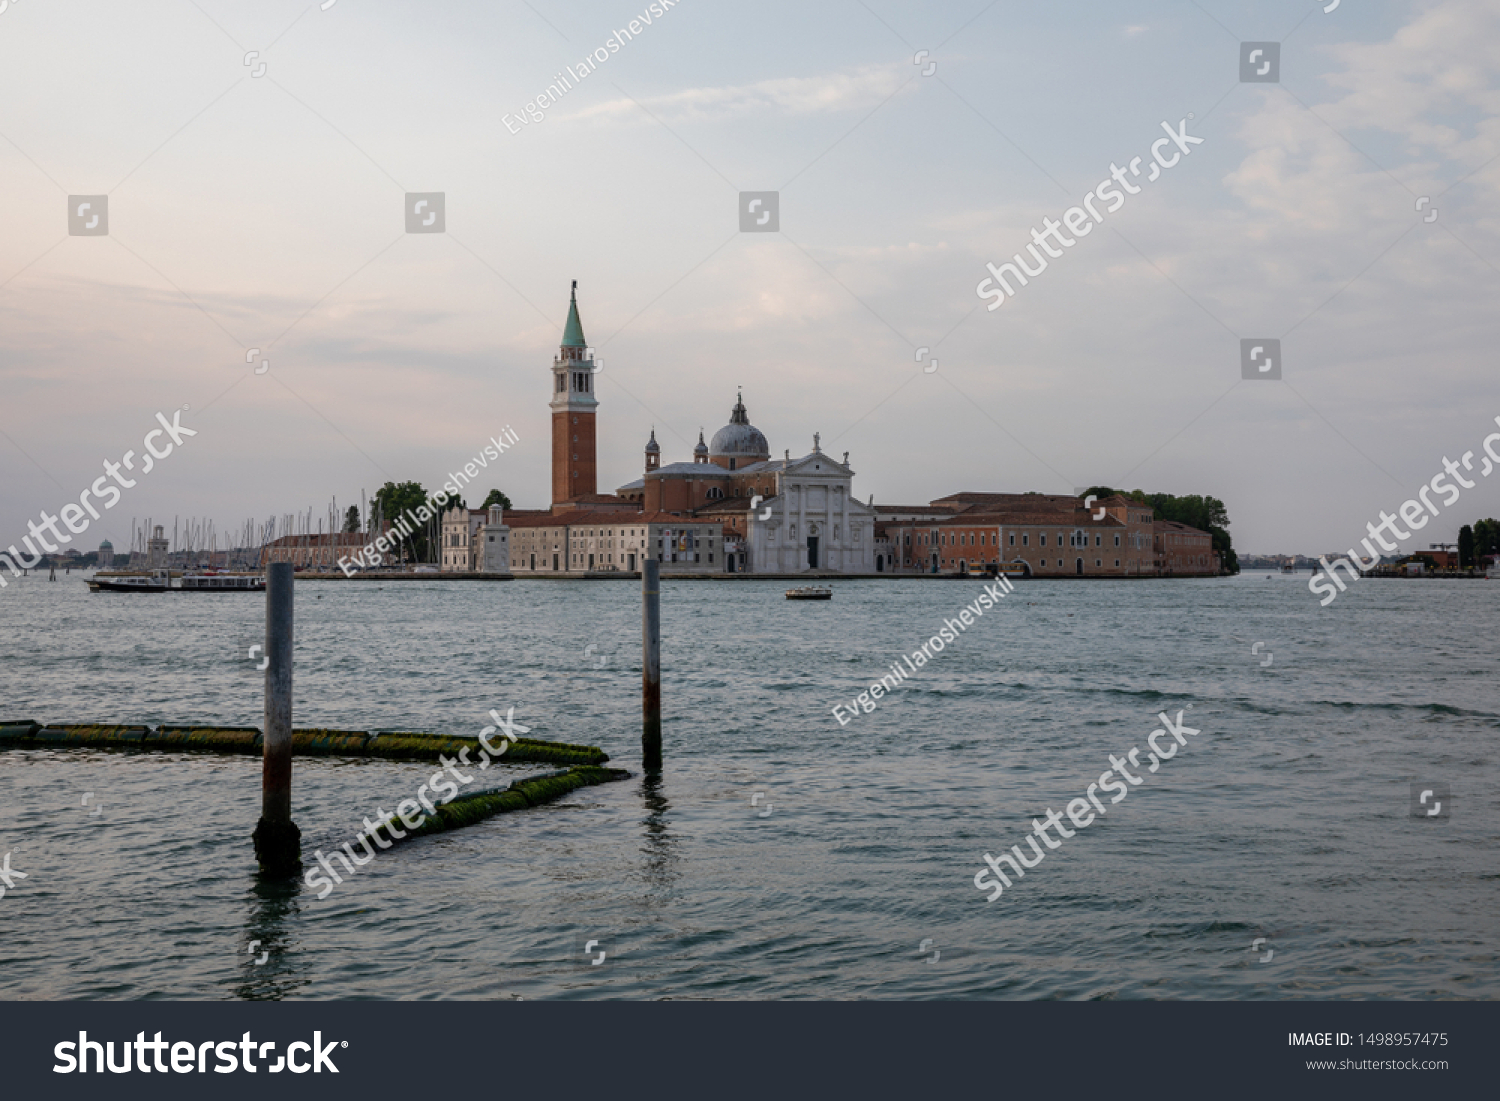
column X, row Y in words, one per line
column 702, row 448
column 652, row 447
column 106, row 545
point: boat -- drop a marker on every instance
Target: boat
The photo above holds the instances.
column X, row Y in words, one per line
column 157, row 582
column 160, row 581
column 222, row 583
column 809, row 592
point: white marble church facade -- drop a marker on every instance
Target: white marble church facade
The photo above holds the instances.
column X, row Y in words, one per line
column 812, row 523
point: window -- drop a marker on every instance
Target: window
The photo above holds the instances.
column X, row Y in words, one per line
column 1025, row 540
column 1117, row 563
column 1098, row 540
column 1012, row 538
column 1044, row 540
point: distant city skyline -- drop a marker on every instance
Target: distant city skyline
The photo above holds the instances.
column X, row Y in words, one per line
column 253, row 258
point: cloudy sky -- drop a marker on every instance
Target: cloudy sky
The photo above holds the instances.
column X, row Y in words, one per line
column 266, row 212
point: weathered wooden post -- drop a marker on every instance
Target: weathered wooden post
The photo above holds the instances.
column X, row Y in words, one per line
column 651, row 665
column 278, row 841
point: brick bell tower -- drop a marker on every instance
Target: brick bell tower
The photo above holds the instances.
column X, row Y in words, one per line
column 574, row 471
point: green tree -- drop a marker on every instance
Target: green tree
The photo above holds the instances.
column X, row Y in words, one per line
column 351, row 519
column 1465, row 547
column 395, row 501
column 496, row 498
column 1486, row 540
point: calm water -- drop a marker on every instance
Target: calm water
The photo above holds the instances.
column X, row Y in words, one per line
column 1286, row 818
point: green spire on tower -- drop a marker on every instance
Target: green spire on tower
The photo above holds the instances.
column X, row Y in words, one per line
column 573, row 331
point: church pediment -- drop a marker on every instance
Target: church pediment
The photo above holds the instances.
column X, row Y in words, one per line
column 816, row 465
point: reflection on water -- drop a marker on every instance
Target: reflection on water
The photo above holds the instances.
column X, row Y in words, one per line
column 269, row 968
column 658, row 847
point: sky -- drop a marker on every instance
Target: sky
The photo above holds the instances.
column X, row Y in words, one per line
column 260, row 219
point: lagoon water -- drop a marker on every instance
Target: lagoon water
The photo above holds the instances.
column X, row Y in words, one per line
column 1287, row 818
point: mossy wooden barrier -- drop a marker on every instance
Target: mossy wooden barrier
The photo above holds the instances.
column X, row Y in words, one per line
column 18, row 730
column 391, row 744
column 336, row 743
column 92, row 734
column 216, row 739
column 531, row 792
column 407, row 744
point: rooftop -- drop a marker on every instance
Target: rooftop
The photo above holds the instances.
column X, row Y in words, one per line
column 594, row 519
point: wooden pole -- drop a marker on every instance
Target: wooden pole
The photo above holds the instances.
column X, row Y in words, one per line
column 278, row 841
column 651, row 665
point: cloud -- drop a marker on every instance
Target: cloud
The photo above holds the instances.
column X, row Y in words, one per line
column 827, row 93
column 1425, row 82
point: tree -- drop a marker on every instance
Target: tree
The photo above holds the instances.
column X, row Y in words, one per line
column 1486, row 540
column 496, row 498
column 395, row 501
column 1465, row 547
column 351, row 519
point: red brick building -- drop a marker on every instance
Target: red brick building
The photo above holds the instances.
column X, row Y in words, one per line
column 1180, row 550
column 1038, row 535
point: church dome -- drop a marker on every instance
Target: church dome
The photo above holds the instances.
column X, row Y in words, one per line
column 739, row 438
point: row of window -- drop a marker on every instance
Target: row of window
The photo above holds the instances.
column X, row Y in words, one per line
column 1077, row 539
column 975, row 564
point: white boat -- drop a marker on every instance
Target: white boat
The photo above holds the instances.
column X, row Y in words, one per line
column 160, row 581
